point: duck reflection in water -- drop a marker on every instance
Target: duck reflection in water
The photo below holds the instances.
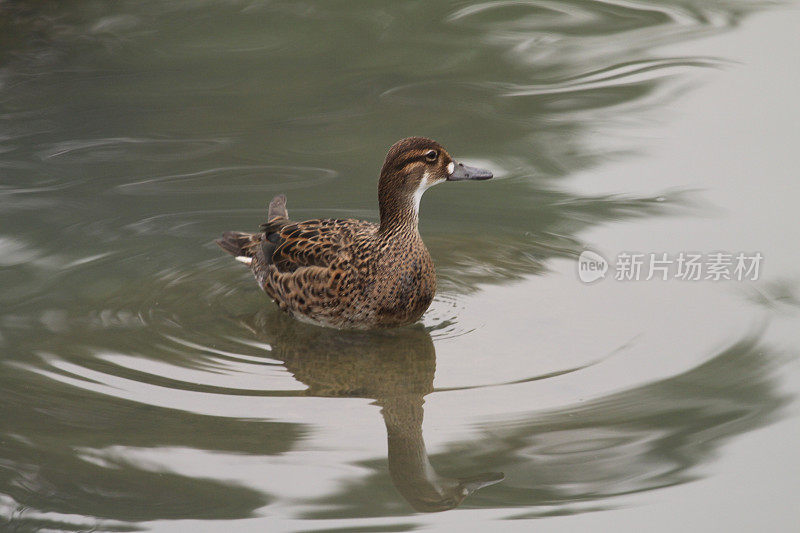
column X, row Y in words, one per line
column 393, row 367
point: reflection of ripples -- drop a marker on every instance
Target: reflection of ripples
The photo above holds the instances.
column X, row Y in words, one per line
column 568, row 16
column 206, row 370
column 580, row 442
column 185, row 223
column 131, row 149
column 631, row 84
column 232, row 180
column 616, row 75
column 590, row 18
column 442, row 317
column 647, row 437
column 54, row 482
column 579, row 457
column 567, row 60
column 122, row 332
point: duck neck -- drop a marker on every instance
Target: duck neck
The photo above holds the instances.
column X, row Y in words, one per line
column 399, row 213
column 409, row 466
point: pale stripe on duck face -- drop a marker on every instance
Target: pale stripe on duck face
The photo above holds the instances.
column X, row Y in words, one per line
column 427, row 182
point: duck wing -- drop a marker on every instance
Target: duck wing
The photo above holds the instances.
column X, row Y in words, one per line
column 326, row 243
column 314, row 267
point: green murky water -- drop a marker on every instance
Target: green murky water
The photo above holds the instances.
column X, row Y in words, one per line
column 146, row 384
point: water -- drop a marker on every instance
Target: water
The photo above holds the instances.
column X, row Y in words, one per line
column 148, row 385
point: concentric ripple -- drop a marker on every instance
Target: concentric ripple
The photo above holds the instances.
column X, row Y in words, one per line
column 147, row 382
column 240, row 178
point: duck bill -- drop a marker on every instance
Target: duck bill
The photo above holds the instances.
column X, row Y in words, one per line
column 462, row 172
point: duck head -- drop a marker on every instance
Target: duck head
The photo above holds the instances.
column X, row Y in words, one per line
column 411, row 167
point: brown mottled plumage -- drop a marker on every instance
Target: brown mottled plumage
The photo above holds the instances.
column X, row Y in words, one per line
column 348, row 273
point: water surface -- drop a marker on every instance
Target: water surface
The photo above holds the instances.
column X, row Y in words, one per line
column 148, row 385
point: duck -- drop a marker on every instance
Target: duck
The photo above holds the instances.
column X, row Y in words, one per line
column 349, row 273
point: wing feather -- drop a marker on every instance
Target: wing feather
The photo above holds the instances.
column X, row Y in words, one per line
column 323, row 243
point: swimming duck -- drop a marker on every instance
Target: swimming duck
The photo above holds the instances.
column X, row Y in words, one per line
column 347, row 273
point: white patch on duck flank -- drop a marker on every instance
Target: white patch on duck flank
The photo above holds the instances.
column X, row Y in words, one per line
column 243, row 259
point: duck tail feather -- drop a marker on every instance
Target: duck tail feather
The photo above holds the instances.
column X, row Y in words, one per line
column 235, row 242
column 277, row 208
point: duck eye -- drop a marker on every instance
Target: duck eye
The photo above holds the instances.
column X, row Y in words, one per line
column 431, row 155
